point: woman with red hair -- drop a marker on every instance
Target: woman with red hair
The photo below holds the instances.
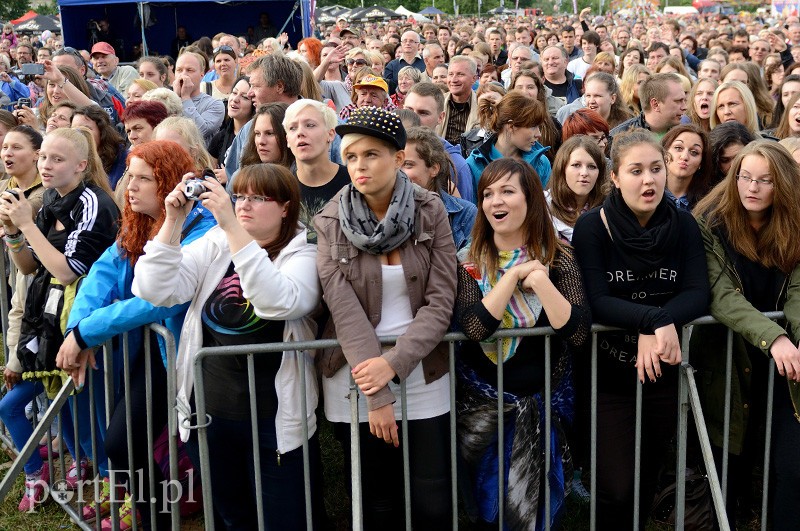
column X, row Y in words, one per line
column 155, row 169
column 586, row 122
column 310, row 48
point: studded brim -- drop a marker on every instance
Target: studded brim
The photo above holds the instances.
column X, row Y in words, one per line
column 375, row 122
column 398, row 141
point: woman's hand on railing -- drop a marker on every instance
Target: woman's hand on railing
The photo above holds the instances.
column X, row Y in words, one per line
column 11, row 378
column 383, row 425
column 72, row 360
column 669, row 347
column 787, row 358
column 647, row 357
column 372, row 375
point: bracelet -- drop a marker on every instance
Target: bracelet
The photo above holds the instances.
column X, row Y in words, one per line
column 61, row 85
column 13, row 236
column 18, row 239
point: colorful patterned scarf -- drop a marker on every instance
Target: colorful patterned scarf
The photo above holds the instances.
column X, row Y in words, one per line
column 523, row 309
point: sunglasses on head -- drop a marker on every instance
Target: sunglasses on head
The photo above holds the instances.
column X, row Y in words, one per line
column 223, row 49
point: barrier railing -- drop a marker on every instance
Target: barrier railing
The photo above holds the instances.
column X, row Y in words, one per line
column 688, row 396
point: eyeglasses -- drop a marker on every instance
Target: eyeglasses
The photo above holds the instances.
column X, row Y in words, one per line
column 601, row 138
column 759, row 182
column 224, row 49
column 257, row 199
column 357, row 62
column 407, row 41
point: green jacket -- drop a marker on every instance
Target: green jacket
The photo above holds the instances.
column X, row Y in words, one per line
column 729, row 305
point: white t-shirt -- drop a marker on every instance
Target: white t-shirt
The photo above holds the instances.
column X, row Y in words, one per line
column 578, row 67
column 424, row 400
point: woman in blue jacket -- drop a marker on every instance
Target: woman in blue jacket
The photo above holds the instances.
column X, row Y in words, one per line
column 515, row 123
column 105, row 307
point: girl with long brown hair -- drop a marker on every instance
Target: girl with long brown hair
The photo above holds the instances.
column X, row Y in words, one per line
column 516, row 274
column 747, row 222
column 644, row 270
column 252, row 279
column 576, row 184
column 155, row 169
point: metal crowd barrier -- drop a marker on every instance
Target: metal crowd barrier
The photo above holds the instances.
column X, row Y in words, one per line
column 688, row 402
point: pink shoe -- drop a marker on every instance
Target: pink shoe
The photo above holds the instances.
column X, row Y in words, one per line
column 36, row 489
column 43, row 452
column 72, row 474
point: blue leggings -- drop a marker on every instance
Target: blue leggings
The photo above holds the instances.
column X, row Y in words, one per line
column 12, row 412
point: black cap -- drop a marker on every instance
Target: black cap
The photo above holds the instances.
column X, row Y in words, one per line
column 378, row 123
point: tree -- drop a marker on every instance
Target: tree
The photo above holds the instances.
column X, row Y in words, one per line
column 50, row 8
column 11, row 9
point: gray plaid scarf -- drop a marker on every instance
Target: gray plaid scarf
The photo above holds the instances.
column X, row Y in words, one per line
column 363, row 229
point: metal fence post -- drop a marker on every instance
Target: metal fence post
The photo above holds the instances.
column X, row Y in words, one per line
column 683, row 421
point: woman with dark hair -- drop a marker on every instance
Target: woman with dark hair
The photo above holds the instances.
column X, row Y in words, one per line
column 154, row 170
column 788, row 88
column 428, row 165
column 259, row 268
column 699, row 104
column 267, row 140
column 630, row 57
column 110, row 145
column 517, row 274
column 727, row 140
column 529, row 82
column 240, row 111
column 577, row 183
column 153, row 69
column 224, row 60
column 688, row 159
column 515, row 121
column 746, row 222
column 387, row 263
column 644, row 270
column 789, row 125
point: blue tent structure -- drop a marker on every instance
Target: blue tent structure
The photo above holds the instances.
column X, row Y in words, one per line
column 156, row 23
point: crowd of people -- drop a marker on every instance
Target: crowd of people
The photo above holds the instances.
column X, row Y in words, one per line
column 406, row 179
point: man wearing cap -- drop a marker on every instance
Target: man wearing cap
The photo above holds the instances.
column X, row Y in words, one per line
column 370, row 91
column 409, row 56
column 101, row 91
column 350, row 38
column 106, row 63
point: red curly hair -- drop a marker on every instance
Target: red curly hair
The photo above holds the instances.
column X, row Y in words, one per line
column 169, row 162
column 314, row 48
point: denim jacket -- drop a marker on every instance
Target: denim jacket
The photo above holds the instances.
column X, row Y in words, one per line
column 461, row 214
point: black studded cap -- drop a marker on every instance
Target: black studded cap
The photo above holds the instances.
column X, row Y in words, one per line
column 379, row 123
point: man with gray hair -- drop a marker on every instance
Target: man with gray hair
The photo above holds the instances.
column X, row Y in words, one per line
column 273, row 78
column 461, row 103
column 409, row 56
column 518, row 54
column 433, row 55
column 564, row 85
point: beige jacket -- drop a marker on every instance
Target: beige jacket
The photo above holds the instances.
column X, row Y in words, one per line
column 352, row 288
